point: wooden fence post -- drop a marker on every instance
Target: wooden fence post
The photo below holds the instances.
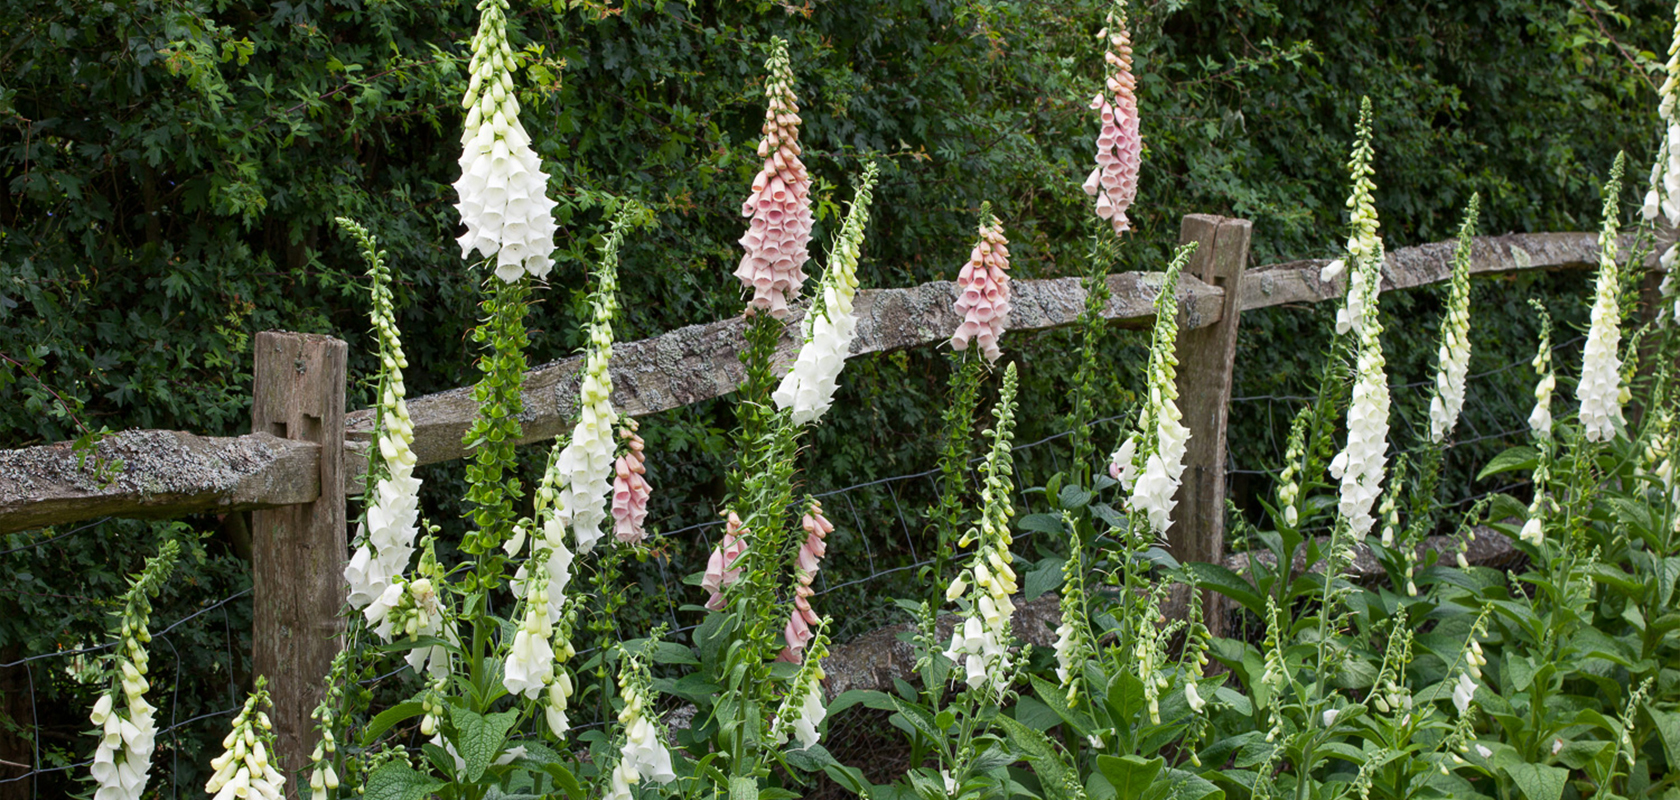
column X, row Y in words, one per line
column 1206, row 357
column 298, row 551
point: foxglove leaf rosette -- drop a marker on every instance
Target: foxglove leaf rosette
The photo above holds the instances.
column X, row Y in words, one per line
column 585, row 465
column 808, row 389
column 1454, row 357
column 504, row 193
column 1120, row 140
column 630, row 487
column 779, row 209
column 983, row 292
column 1600, row 389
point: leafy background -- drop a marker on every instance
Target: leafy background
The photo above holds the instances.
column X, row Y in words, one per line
column 171, row 170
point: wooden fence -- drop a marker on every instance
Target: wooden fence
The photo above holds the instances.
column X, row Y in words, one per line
column 306, row 455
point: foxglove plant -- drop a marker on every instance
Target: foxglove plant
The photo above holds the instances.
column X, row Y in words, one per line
column 808, row 389
column 1540, row 424
column 630, row 491
column 504, row 192
column 1360, row 464
column 983, row 291
column 245, row 769
column 809, row 559
column 982, row 639
column 643, row 755
column 1662, row 199
column 779, row 208
column 802, row 709
column 127, row 729
column 585, row 465
column 1454, row 357
column 721, row 568
column 1149, row 464
column 1600, row 390
column 1120, row 141
column 385, row 541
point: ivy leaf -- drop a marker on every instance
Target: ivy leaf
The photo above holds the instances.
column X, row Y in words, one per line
column 480, row 737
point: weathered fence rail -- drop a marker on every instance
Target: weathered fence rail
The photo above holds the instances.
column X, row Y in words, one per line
column 306, row 455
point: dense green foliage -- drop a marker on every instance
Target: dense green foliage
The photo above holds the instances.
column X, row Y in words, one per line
column 171, row 171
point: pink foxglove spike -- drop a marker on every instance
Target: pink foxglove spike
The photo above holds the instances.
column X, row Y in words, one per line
column 779, row 235
column 630, row 488
column 1120, row 142
column 798, row 631
column 721, row 570
column 983, row 292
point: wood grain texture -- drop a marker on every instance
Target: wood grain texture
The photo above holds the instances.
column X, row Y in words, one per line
column 158, row 474
column 299, row 550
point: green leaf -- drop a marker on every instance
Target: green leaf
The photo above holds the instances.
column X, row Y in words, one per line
column 868, row 698
column 1045, row 576
column 1035, row 714
column 1228, row 583
column 1516, row 458
column 1073, row 498
column 849, row 777
column 1041, row 753
column 1043, row 523
column 480, row 737
column 1538, row 782
column 945, row 719
column 672, row 653
column 809, row 759
column 1668, row 727
column 1129, row 774
column 918, row 719
column 395, row 780
column 742, row 787
column 383, row 721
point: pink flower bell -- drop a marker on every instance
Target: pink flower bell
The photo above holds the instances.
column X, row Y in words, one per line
column 779, row 233
column 630, row 488
column 720, row 569
column 983, row 292
column 1120, row 141
column 798, row 631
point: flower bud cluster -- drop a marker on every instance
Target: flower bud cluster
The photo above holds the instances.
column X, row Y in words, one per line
column 830, row 327
column 982, row 640
column 779, row 232
column 1540, row 423
column 1120, row 140
column 504, row 193
column 323, row 777
column 803, row 708
column 721, row 569
column 643, row 754
column 630, row 490
column 127, row 733
column 806, row 563
column 1364, row 245
column 244, row 769
column 1289, row 483
column 388, row 530
column 413, row 608
column 983, row 292
column 1454, row 357
column 585, row 465
column 1150, row 463
column 1601, row 391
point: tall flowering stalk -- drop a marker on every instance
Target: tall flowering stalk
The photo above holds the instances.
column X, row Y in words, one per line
column 805, row 565
column 1540, row 425
column 643, row 755
column 1360, row 464
column 1454, row 357
column 504, row 201
column 127, row 730
column 982, row 639
column 385, row 542
column 779, row 233
column 1600, row 390
column 1150, row 462
column 585, row 465
column 808, row 389
column 246, row 768
column 802, row 709
column 1120, row 141
column 630, row 490
column 983, row 291
column 1662, row 199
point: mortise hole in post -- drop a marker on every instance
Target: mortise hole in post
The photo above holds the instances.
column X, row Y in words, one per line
column 311, row 428
column 278, row 429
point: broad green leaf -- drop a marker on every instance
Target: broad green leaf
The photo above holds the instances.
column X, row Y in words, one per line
column 1035, row 714
column 1074, row 497
column 383, row 721
column 480, row 737
column 1043, row 523
column 1228, row 583
column 743, row 787
column 1045, row 576
column 1041, row 753
column 868, row 698
column 1517, row 458
column 1130, row 775
column 918, row 719
column 1537, row 781
column 1668, row 727
column 395, row 780
column 810, row 759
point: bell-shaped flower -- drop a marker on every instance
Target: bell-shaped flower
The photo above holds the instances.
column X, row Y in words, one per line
column 779, row 208
column 983, row 292
column 1119, row 139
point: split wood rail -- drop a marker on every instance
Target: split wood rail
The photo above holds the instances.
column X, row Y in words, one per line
column 306, row 455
